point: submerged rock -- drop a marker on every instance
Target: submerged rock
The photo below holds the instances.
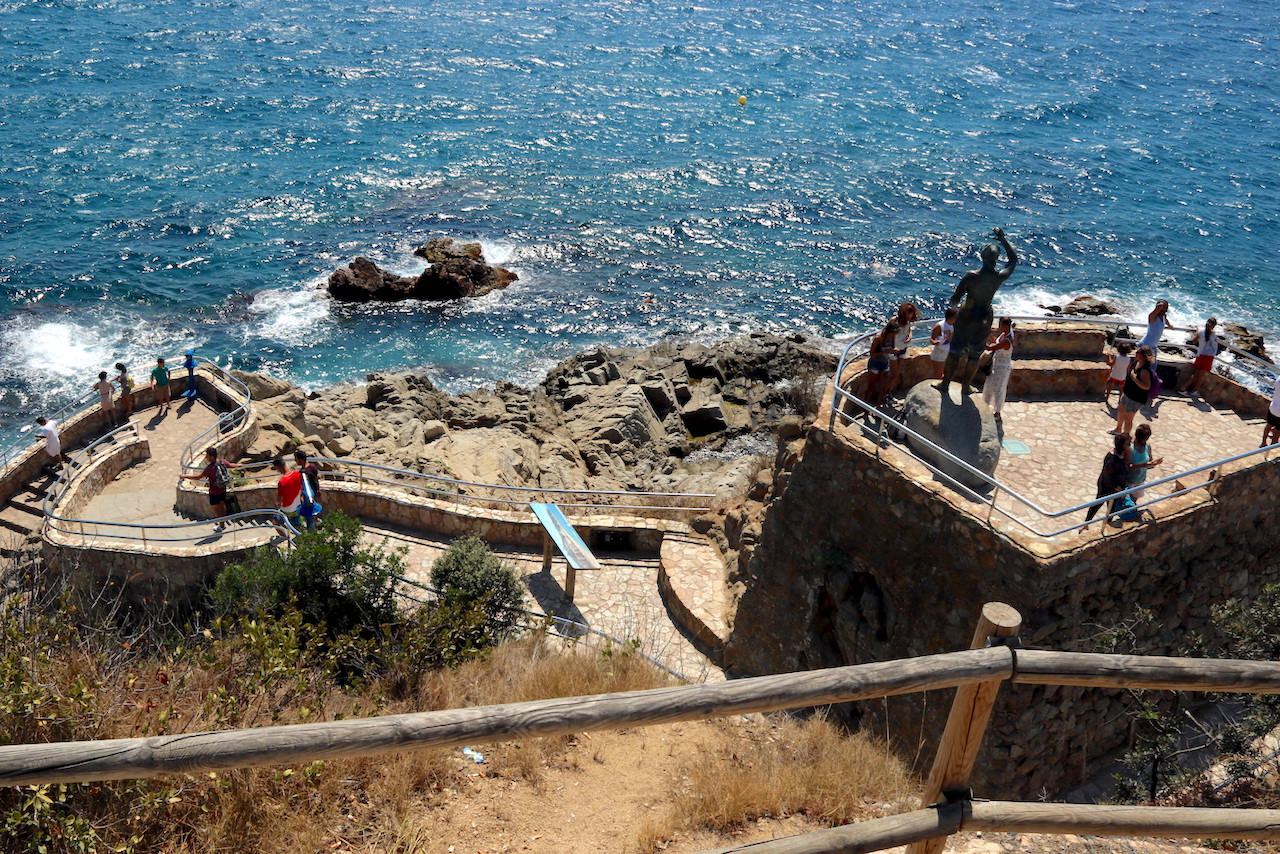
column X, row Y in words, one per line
column 1083, row 306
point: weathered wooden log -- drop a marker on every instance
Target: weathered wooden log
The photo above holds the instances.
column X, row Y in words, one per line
column 213, row 751
column 1100, row 670
column 863, row 837
column 1192, row 822
column 967, row 721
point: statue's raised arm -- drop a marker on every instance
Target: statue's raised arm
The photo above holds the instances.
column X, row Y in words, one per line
column 1011, row 257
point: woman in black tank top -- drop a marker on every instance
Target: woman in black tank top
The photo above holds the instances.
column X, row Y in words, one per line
column 1137, row 388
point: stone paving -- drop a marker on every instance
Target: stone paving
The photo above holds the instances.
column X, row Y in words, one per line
column 1066, row 440
column 143, row 493
column 622, row 599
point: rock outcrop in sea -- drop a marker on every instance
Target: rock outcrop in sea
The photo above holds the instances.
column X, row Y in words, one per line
column 672, row 417
column 456, row 270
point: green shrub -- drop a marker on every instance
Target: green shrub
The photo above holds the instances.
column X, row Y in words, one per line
column 469, row 575
column 330, row 575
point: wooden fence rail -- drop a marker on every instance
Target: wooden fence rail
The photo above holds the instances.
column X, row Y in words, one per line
column 976, row 672
column 936, row 823
column 125, row 758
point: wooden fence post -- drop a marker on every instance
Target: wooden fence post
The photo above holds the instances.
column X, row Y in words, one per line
column 967, row 723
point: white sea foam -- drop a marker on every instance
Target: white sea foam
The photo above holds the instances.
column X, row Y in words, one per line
column 293, row 316
column 60, row 357
column 53, row 350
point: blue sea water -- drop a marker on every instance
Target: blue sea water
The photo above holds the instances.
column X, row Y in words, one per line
column 184, row 174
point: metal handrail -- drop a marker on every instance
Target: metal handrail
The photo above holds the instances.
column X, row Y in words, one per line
column 77, row 464
column 997, row 487
column 537, row 489
column 80, row 463
column 341, row 476
column 239, row 413
column 275, row 519
column 19, row 446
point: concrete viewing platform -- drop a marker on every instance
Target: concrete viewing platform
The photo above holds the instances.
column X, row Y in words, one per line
column 1055, row 435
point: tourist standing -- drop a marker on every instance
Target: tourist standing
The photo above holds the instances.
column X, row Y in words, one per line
column 106, row 400
column 52, row 444
column 1207, row 345
column 218, row 473
column 126, row 389
column 1140, row 460
column 310, row 508
column 160, row 380
column 941, row 340
column 1001, row 350
column 309, row 470
column 288, row 490
column 1157, row 323
column 907, row 315
column 1271, row 432
column 1119, row 362
column 1137, row 389
column 878, row 363
column 1114, row 476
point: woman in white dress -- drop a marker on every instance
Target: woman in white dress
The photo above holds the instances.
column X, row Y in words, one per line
column 1001, row 349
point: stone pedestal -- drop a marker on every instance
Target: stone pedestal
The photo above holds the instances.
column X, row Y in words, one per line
column 963, row 424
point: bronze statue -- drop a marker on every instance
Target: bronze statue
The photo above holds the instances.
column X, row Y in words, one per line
column 973, row 321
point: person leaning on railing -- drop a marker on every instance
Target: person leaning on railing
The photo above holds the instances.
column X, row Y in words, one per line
column 878, row 365
column 218, row 473
column 1114, row 476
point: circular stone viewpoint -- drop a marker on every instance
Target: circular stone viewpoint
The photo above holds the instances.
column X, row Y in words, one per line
column 963, row 424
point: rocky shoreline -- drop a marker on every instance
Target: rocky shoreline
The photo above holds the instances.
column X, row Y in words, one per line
column 674, row 417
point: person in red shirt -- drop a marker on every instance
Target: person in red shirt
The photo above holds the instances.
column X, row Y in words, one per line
column 289, row 489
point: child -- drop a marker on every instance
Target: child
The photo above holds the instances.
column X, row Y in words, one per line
column 1119, row 364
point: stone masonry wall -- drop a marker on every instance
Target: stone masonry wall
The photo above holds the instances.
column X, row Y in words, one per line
column 516, row 527
column 858, row 562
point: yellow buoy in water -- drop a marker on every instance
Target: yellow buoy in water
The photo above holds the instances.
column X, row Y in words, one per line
column 742, row 100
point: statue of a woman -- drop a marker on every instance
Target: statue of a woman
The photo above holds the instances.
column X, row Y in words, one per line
column 973, row 321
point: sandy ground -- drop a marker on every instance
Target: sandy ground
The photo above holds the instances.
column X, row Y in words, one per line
column 607, row 791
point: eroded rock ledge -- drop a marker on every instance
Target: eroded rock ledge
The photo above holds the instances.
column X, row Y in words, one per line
column 669, row 418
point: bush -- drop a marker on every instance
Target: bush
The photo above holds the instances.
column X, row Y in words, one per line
column 330, row 575
column 470, row 575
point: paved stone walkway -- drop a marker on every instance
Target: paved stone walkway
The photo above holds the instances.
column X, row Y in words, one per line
column 694, row 578
column 1066, row 441
column 144, row 493
column 621, row 599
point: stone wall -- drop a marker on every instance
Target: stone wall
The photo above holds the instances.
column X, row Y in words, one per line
column 518, row 527
column 149, row 574
column 141, row 576
column 858, row 562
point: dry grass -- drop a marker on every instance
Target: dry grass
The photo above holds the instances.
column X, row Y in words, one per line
column 800, row 767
